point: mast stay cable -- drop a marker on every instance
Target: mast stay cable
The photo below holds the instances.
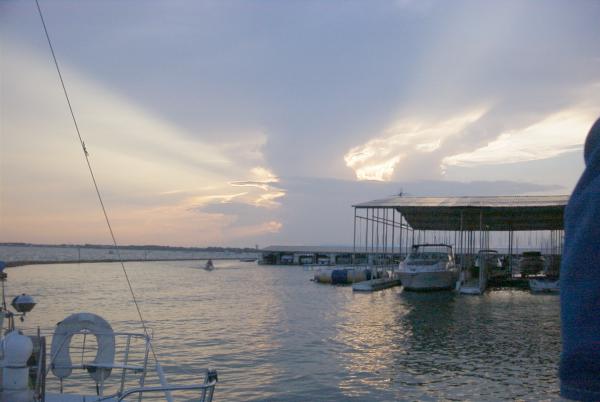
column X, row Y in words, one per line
column 85, row 153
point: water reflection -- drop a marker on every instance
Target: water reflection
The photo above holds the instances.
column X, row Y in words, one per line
column 440, row 345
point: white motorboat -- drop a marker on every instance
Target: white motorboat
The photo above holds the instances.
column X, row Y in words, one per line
column 544, row 285
column 111, row 366
column 429, row 267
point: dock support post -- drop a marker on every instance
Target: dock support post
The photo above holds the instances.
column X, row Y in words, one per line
column 400, row 238
column 354, row 236
column 510, row 251
column 393, row 232
column 372, row 230
column 462, row 254
column 367, row 233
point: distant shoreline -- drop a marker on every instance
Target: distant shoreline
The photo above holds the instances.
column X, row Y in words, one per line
column 12, row 264
column 148, row 247
column 15, row 255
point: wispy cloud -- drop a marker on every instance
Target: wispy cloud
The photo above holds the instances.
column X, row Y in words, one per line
column 269, row 199
column 155, row 174
column 554, row 135
column 377, row 159
column 201, row 200
column 262, row 179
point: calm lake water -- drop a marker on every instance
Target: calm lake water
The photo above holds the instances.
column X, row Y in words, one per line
column 274, row 335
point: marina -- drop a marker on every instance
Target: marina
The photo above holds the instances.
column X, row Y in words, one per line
column 467, row 226
column 313, row 255
column 391, row 234
column 395, row 252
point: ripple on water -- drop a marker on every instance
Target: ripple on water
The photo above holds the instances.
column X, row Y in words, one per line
column 274, row 335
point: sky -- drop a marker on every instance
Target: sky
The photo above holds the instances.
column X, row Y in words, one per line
column 243, row 123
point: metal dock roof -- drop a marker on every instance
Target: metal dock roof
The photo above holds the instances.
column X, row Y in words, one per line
column 309, row 249
column 543, row 212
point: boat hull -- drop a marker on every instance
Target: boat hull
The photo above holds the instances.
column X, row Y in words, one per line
column 432, row 280
column 544, row 286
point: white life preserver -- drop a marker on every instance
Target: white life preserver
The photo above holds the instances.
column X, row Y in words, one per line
column 76, row 323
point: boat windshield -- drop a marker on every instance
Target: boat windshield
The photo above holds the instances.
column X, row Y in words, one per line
column 427, row 258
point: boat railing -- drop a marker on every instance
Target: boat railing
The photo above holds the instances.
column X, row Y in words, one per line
column 131, row 353
column 206, row 389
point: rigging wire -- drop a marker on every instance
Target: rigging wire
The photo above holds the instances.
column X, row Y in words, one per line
column 87, row 159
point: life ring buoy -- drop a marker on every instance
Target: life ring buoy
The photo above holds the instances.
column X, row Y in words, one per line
column 61, row 340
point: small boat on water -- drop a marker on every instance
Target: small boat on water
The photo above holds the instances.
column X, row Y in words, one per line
column 209, row 266
column 544, row 285
column 429, row 267
column 251, row 259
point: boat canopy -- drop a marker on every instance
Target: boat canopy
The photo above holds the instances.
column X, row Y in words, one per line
column 499, row 213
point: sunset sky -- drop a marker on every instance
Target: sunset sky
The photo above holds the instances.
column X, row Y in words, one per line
column 235, row 123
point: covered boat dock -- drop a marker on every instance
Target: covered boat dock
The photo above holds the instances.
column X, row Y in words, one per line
column 315, row 255
column 511, row 224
